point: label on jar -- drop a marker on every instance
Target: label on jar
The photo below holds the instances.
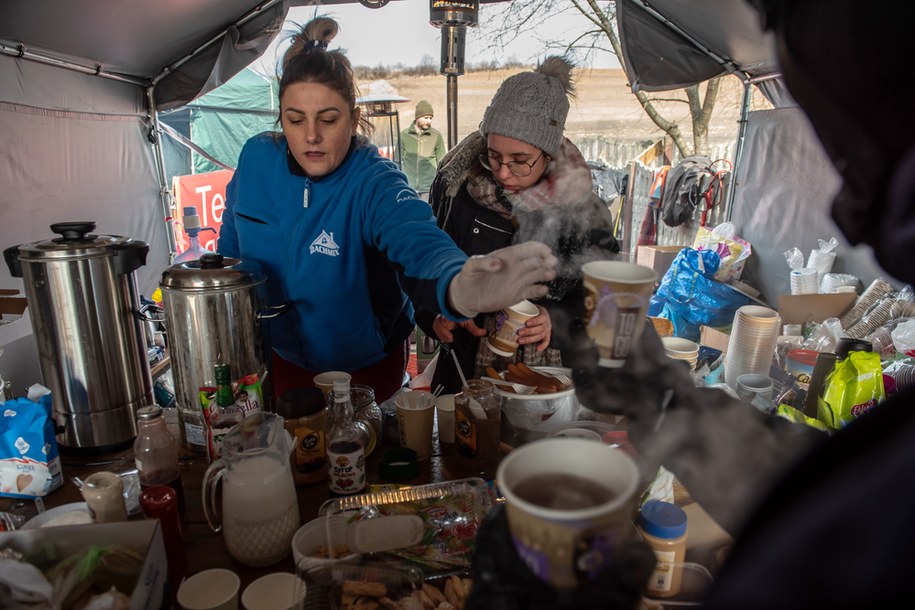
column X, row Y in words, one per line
column 309, row 449
column 346, row 467
column 465, row 432
column 662, row 578
column 195, row 434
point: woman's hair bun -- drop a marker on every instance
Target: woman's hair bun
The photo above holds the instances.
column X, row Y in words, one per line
column 316, row 33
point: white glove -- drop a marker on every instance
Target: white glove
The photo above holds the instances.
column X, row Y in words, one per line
column 502, row 278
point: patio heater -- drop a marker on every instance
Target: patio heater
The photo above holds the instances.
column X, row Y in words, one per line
column 379, row 110
column 453, row 17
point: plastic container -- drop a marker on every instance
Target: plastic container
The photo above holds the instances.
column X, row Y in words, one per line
column 800, row 363
column 432, row 526
column 663, row 526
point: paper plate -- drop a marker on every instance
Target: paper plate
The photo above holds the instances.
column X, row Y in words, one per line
column 76, row 513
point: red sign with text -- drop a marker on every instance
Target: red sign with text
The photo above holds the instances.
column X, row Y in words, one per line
column 207, row 193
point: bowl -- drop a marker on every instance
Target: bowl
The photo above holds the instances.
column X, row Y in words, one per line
column 311, row 537
column 75, row 513
column 534, row 416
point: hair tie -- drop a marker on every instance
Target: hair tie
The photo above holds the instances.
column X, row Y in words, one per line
column 314, row 44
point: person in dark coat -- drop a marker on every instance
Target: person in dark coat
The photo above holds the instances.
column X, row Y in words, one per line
column 819, row 521
column 515, row 179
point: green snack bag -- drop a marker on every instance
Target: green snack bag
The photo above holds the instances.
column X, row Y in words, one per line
column 854, row 387
column 792, row 414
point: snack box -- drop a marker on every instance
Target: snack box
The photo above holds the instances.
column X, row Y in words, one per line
column 148, row 592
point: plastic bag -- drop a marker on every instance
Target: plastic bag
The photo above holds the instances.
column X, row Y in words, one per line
column 732, row 250
column 854, row 387
column 690, row 297
column 29, row 461
column 826, row 336
column 822, row 258
column 904, row 338
column 795, row 258
column 832, row 282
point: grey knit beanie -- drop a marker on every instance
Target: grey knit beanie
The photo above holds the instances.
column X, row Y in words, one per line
column 533, row 106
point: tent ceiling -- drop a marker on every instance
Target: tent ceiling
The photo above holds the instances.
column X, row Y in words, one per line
column 139, row 38
column 657, row 58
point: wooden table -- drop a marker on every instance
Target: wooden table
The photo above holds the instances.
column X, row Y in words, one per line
column 206, row 549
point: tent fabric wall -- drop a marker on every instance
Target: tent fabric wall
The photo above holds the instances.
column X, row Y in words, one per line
column 76, row 151
column 792, row 210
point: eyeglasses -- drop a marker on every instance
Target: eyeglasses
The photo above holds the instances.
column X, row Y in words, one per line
column 517, row 168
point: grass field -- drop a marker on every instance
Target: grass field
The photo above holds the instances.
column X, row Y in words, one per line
column 604, row 105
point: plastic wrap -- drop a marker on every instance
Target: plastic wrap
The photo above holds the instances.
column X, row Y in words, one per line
column 904, row 338
column 826, row 336
column 878, row 289
column 731, row 249
column 823, row 257
column 835, row 282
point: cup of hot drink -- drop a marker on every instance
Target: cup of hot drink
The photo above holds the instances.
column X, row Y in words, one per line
column 325, row 381
column 503, row 340
column 415, row 417
column 616, row 301
column 569, row 502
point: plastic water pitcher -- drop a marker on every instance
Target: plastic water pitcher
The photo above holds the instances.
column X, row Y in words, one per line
column 193, row 229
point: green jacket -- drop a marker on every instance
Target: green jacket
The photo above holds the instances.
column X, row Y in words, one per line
column 421, row 154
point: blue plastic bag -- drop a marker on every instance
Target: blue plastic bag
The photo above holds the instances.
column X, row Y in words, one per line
column 29, row 460
column 691, row 297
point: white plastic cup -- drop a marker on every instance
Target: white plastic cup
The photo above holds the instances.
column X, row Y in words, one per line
column 325, row 381
column 277, row 591
column 444, row 413
column 215, row 589
column 415, row 417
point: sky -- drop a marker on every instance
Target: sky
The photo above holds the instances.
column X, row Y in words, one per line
column 400, row 33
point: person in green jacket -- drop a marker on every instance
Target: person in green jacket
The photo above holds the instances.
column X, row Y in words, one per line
column 423, row 148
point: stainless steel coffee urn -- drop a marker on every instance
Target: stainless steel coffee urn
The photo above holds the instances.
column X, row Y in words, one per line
column 213, row 315
column 82, row 297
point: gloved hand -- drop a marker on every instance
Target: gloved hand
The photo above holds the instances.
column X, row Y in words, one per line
column 638, row 388
column 502, row 278
column 501, row 580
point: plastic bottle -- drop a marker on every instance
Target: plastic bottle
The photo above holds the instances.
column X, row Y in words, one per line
column 192, row 228
column 663, row 526
column 161, row 502
column 156, row 452
column 345, row 444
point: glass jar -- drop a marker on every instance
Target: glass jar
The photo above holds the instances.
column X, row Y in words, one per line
column 367, row 410
column 477, row 419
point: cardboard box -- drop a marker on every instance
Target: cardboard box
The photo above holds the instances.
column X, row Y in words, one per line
column 713, row 337
column 149, row 591
column 11, row 307
column 658, row 258
column 800, row 308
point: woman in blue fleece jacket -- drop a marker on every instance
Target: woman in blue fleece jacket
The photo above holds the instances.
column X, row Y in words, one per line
column 344, row 239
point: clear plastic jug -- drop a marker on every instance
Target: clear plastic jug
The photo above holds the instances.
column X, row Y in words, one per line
column 260, row 511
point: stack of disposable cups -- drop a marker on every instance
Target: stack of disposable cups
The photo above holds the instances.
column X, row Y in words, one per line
column 804, row 281
column 752, row 342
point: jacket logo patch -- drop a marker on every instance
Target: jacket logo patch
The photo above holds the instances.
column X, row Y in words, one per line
column 405, row 195
column 325, row 244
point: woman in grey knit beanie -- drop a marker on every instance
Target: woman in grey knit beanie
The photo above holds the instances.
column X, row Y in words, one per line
column 515, row 179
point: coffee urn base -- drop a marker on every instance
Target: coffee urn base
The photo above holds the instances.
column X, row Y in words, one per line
column 98, row 433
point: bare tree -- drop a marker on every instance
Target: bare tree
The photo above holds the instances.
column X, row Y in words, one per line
column 600, row 18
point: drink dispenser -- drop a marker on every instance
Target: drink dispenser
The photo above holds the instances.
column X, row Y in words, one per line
column 83, row 301
column 213, row 314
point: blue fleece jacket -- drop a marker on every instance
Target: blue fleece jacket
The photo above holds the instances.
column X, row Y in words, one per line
column 342, row 250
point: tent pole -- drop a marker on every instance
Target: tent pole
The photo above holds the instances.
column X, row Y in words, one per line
column 20, row 50
column 738, row 152
column 165, row 193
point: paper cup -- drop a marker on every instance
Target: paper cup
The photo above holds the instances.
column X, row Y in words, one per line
column 616, row 301
column 278, row 591
column 215, row 589
column 415, row 415
column 582, row 433
column 444, row 413
column 569, row 503
column 504, row 339
column 325, row 381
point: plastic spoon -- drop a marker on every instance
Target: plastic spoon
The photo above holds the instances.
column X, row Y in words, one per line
column 519, row 388
column 475, row 407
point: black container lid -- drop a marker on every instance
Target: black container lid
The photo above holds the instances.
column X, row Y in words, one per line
column 846, row 345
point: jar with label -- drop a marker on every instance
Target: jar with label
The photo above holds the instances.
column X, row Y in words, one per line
column 104, row 495
column 477, row 420
column 345, row 444
column 161, row 502
column 663, row 526
column 305, row 418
